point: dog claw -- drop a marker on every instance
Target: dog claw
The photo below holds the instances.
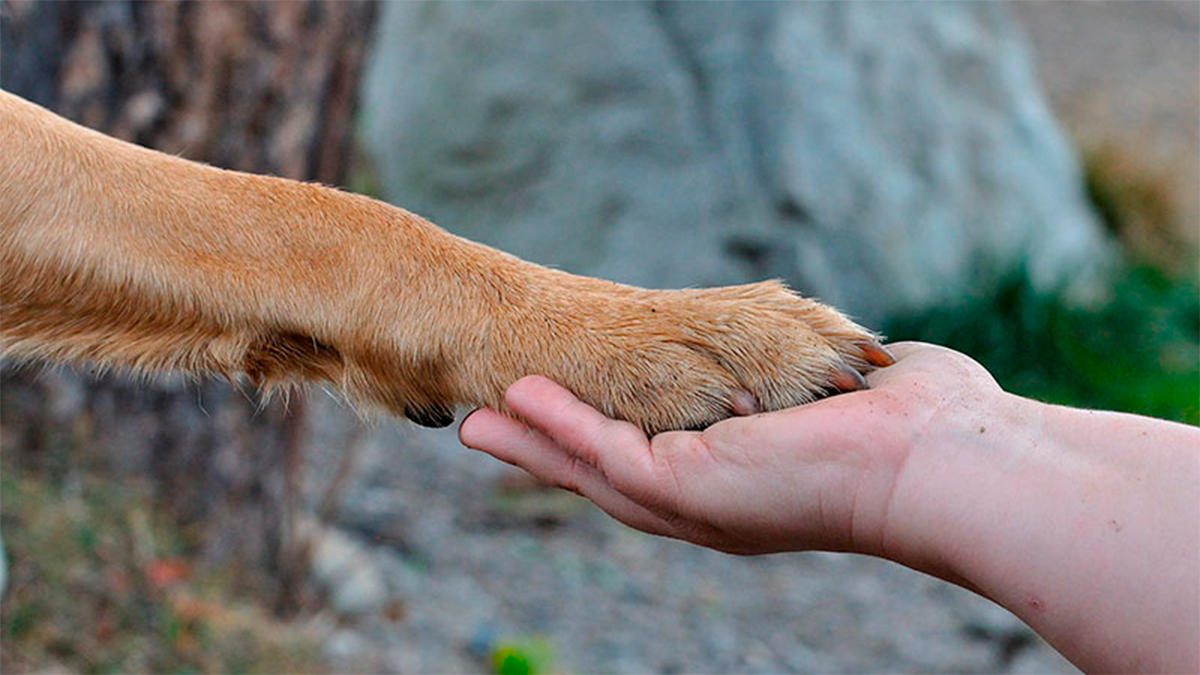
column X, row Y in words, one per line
column 744, row 403
column 434, row 415
column 847, row 379
column 876, row 354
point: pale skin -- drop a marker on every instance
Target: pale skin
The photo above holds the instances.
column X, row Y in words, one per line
column 1084, row 524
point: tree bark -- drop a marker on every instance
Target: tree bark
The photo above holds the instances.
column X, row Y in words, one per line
column 265, row 87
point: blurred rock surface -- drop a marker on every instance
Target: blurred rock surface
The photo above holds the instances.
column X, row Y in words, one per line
column 883, row 157
column 1127, row 75
column 345, row 569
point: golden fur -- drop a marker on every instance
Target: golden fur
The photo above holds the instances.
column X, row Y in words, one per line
column 121, row 256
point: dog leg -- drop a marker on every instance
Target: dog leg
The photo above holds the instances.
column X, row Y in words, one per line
column 121, row 256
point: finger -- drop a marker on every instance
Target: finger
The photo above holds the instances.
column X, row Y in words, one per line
column 906, row 354
column 903, row 350
column 914, row 358
column 512, row 442
column 620, row 450
column 500, row 436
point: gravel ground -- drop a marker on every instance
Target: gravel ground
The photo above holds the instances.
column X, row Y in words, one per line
column 474, row 561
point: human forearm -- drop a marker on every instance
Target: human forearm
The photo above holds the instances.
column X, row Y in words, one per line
column 1082, row 523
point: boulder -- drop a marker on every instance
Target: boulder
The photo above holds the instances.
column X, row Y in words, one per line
column 885, row 157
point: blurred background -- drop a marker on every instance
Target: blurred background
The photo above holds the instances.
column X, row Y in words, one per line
column 1017, row 181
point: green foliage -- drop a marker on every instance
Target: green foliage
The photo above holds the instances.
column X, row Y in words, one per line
column 1140, row 352
column 522, row 657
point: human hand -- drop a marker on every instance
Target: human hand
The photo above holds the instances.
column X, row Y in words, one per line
column 1080, row 522
column 819, row 476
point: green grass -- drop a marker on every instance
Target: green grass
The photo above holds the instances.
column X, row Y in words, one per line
column 532, row 656
column 1140, row 352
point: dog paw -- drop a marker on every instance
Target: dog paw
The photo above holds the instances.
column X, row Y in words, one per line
column 667, row 360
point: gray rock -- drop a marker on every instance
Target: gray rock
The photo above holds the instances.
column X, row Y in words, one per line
column 344, row 645
column 884, row 157
column 1040, row 659
column 345, row 568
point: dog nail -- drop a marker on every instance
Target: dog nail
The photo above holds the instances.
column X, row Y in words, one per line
column 876, row 354
column 743, row 403
column 434, row 415
column 847, row 379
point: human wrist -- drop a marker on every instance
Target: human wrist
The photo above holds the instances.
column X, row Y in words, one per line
column 961, row 471
column 1074, row 520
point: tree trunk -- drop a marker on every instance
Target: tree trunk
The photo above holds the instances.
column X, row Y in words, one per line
column 263, row 87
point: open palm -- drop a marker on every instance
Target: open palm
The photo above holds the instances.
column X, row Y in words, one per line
column 819, row 476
